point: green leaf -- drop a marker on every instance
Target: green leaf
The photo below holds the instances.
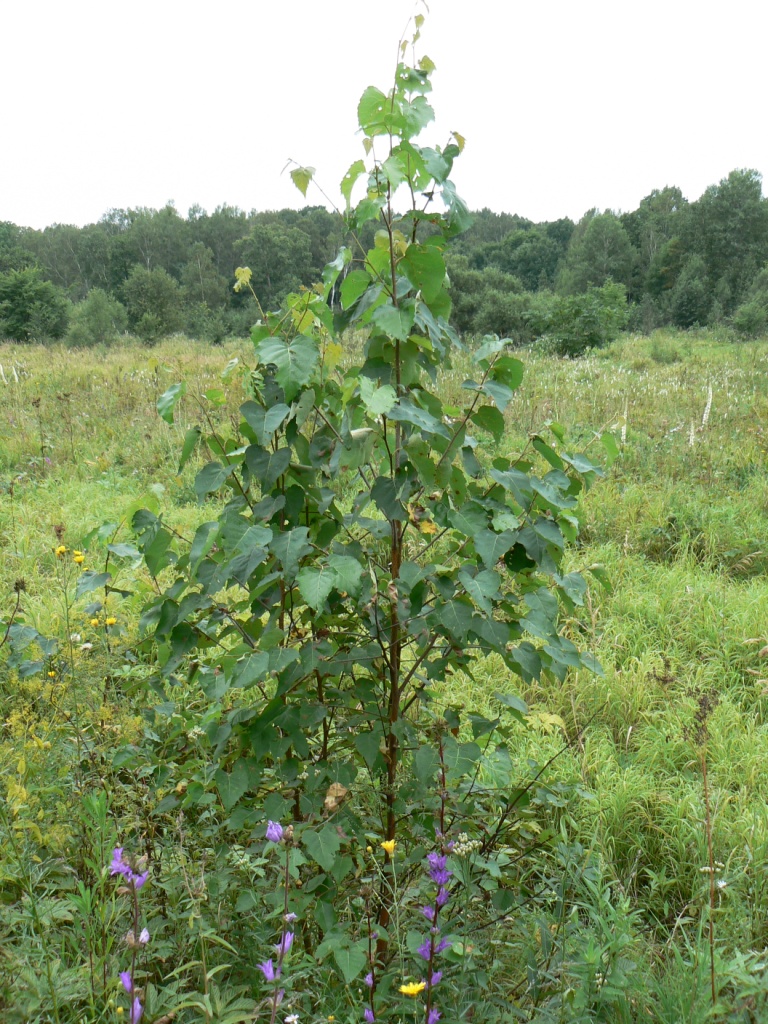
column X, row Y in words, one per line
column 456, row 617
column 89, row 581
column 548, row 453
column 210, row 478
column 166, row 403
column 301, row 177
column 124, row 550
column 352, row 287
column 349, row 179
column 371, row 111
column 489, row 418
column 482, row 588
column 384, row 494
column 500, row 393
column 191, row 439
column 265, row 466
column 608, row 442
column 469, row 519
column 322, row 846
column 351, row 960
column 264, row 422
column 294, row 361
column 424, row 267
column 348, row 573
column 493, row 546
column 511, row 700
column 315, row 584
column 508, row 371
column 378, row 401
column 289, row 547
column 395, row 321
column 489, row 346
column 234, row 785
column 215, row 396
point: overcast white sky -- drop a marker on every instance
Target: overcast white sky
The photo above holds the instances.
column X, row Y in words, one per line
column 564, row 105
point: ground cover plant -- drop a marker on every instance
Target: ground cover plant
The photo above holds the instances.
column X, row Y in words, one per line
column 310, row 712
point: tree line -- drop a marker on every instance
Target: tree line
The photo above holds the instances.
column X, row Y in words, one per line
column 155, row 272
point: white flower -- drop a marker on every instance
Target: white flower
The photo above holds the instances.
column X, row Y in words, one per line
column 292, row 1018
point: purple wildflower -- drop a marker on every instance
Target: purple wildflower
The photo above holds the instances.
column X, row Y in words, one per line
column 369, row 1015
column 119, row 865
column 425, row 950
column 442, row 944
column 442, row 896
column 126, row 981
column 136, row 1011
column 368, row 979
column 290, row 917
column 284, row 945
column 429, row 913
column 437, row 860
column 436, row 978
column 274, row 831
column 144, row 936
column 433, row 1016
column 440, row 877
column 268, row 970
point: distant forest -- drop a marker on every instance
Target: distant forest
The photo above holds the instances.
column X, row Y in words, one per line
column 154, row 272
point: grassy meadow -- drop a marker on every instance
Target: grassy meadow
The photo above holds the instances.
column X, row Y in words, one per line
column 674, row 544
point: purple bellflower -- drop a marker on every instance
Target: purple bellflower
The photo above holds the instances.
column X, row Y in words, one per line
column 268, row 970
column 274, row 831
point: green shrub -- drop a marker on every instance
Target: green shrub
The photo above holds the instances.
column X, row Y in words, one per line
column 31, row 309
column 590, row 320
column 98, row 320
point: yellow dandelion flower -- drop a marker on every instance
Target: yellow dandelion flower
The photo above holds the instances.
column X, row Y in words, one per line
column 413, row 988
column 94, row 623
column 111, row 620
column 60, row 551
column 388, row 846
column 78, row 557
column 51, row 675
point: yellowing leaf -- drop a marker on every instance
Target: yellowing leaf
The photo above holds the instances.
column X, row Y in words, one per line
column 332, row 356
column 427, row 527
column 334, row 797
column 460, row 140
column 546, row 721
column 301, row 177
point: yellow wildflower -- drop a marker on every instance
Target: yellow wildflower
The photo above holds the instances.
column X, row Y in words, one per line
column 78, row 557
column 388, row 846
column 51, row 675
column 413, row 988
column 94, row 623
column 60, row 551
column 111, row 620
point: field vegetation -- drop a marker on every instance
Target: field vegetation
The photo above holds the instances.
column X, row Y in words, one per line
column 674, row 611
column 385, row 664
